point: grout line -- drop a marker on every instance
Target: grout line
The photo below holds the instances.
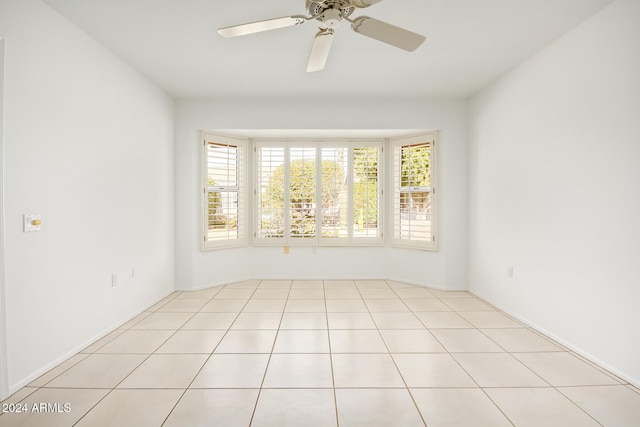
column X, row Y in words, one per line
column 333, row 377
column 462, row 367
column 577, row 405
column 63, row 371
column 599, row 368
column 266, row 369
column 134, row 369
column 633, row 388
column 406, row 386
column 210, row 355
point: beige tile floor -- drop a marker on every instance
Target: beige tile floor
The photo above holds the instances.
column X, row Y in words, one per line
column 313, row 353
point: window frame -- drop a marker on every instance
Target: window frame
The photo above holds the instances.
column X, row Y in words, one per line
column 241, row 145
column 318, row 240
column 397, row 190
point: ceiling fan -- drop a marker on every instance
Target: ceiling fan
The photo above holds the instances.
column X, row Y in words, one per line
column 330, row 13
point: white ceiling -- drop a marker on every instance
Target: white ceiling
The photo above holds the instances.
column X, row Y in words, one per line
column 469, row 44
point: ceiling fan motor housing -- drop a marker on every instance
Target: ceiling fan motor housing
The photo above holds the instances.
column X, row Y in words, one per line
column 330, row 12
column 331, row 18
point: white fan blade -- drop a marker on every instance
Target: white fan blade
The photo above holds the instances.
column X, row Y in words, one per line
column 387, row 33
column 257, row 27
column 320, row 50
column 364, row 3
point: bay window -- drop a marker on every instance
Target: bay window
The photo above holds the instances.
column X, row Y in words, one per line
column 318, row 193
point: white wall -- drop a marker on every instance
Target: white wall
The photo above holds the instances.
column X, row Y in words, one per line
column 554, row 189
column 89, row 146
column 445, row 269
column 4, row 376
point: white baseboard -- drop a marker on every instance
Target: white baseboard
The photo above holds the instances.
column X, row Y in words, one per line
column 221, row 283
column 37, row 374
column 589, row 357
column 210, row 285
column 428, row 285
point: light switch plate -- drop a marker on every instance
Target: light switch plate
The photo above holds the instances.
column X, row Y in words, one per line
column 28, row 222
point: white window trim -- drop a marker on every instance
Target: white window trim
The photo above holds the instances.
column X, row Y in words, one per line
column 409, row 140
column 243, row 224
column 350, row 241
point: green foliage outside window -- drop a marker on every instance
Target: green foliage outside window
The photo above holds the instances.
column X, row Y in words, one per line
column 416, row 166
column 216, row 217
column 365, row 187
column 302, row 194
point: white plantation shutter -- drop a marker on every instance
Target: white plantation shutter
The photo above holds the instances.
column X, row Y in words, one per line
column 414, row 191
column 302, row 191
column 270, row 192
column 334, row 215
column 224, row 191
column 367, row 181
column 310, row 193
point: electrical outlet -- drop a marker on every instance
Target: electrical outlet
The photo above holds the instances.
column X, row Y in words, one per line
column 285, row 250
column 510, row 272
column 133, row 272
column 114, row 280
